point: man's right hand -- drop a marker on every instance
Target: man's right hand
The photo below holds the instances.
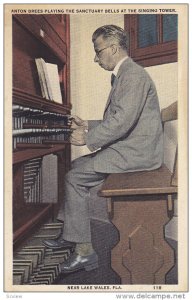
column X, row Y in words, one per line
column 79, row 128
column 77, row 123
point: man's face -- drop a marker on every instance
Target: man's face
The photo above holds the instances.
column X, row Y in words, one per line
column 103, row 54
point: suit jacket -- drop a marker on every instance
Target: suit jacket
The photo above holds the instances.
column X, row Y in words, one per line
column 130, row 134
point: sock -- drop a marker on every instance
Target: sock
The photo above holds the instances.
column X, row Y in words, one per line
column 84, row 249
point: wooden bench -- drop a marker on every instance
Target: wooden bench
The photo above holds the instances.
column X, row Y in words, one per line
column 141, row 205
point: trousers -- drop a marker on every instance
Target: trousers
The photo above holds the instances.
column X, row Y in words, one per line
column 78, row 182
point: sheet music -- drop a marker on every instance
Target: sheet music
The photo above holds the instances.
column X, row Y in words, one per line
column 53, row 75
column 49, row 80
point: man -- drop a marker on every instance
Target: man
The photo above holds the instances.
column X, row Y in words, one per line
column 129, row 138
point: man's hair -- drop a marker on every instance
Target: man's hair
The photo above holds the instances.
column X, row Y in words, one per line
column 112, row 33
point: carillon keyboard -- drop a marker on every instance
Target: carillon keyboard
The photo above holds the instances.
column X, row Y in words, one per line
column 35, row 126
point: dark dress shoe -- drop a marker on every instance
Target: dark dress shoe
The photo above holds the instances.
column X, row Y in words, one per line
column 77, row 262
column 59, row 244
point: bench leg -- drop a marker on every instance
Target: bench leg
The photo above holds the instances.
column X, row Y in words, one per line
column 142, row 255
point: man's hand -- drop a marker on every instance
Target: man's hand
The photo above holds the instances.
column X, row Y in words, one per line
column 77, row 137
column 79, row 128
column 77, row 122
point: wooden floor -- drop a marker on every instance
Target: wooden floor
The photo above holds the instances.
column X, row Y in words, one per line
column 105, row 236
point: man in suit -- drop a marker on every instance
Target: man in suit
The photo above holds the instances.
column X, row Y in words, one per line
column 129, row 138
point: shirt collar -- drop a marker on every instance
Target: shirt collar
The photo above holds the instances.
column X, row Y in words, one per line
column 116, row 69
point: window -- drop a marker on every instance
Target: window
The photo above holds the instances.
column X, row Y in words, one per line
column 152, row 38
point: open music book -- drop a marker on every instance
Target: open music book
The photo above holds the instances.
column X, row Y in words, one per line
column 49, row 80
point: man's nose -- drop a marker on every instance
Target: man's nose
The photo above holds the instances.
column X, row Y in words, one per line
column 96, row 59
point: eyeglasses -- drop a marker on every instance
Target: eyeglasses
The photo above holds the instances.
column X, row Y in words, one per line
column 98, row 52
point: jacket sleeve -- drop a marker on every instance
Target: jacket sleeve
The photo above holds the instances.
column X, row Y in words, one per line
column 123, row 112
column 93, row 123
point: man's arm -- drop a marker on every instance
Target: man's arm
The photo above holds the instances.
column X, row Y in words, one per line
column 93, row 123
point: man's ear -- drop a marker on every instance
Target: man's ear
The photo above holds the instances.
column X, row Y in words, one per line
column 114, row 49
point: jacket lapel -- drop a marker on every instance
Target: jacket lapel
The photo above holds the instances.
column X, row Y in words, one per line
column 110, row 94
column 121, row 69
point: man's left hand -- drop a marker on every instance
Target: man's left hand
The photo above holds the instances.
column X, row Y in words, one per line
column 77, row 137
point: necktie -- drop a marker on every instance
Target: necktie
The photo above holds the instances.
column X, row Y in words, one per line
column 112, row 79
